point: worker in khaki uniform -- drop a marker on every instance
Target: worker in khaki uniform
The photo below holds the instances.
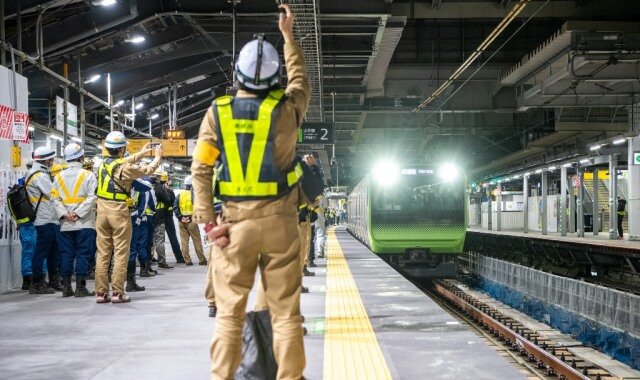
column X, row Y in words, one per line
column 113, row 224
column 260, row 200
column 183, row 208
column 75, row 206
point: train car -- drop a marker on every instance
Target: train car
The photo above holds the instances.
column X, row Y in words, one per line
column 414, row 218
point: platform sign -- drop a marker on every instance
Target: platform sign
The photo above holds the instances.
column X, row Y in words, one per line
column 174, row 134
column 315, row 133
column 174, row 148
column 136, row 145
column 636, row 158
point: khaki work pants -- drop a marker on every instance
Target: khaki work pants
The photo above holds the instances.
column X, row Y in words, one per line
column 190, row 230
column 261, row 301
column 271, row 242
column 209, row 292
column 113, row 230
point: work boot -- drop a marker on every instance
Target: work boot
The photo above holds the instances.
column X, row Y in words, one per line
column 180, row 261
column 163, row 264
column 307, row 273
column 144, row 272
column 150, row 268
column 132, row 286
column 312, row 264
column 303, row 289
column 120, row 298
column 153, row 259
column 202, row 262
column 81, row 288
column 67, row 290
column 38, row 286
column 54, row 283
column 189, row 263
column 213, row 310
column 103, row 298
column 26, row 282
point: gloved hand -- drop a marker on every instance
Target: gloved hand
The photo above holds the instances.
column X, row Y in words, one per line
column 144, row 218
column 138, row 221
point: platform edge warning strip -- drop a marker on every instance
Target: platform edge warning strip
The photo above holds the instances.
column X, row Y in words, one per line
column 351, row 349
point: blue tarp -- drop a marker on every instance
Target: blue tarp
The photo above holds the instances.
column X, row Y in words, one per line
column 618, row 344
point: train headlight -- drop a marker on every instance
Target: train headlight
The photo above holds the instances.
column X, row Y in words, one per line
column 448, row 172
column 386, row 172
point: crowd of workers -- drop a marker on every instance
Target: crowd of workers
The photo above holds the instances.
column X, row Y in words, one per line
column 263, row 212
column 86, row 224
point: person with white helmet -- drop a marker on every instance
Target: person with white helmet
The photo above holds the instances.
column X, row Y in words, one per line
column 41, row 191
column 183, row 208
column 75, row 206
column 113, row 223
column 254, row 136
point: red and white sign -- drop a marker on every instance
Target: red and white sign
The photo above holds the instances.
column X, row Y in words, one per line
column 21, row 127
column 6, row 123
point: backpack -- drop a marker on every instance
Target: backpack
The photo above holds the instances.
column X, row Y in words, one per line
column 19, row 204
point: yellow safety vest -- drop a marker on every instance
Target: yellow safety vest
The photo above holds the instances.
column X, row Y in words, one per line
column 71, row 198
column 32, row 199
column 107, row 188
column 249, row 170
column 185, row 203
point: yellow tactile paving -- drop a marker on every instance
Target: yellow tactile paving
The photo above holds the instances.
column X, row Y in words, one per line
column 351, row 350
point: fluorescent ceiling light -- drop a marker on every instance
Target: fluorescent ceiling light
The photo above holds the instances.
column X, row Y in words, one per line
column 93, row 78
column 136, row 39
column 107, row 3
column 527, row 174
column 31, row 129
column 77, row 139
column 595, row 147
column 551, row 168
column 584, row 160
column 539, row 171
column 567, row 165
column 154, row 116
column 119, row 103
column 619, row 141
column 56, row 137
column 139, row 105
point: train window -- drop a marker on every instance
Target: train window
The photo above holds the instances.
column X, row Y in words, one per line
column 419, row 193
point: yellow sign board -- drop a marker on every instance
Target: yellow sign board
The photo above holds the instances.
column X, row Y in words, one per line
column 171, row 148
column 602, row 175
column 174, row 134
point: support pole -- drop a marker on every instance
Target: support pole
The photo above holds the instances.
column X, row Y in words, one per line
column 489, row 221
column 499, row 208
column 82, row 112
column 65, row 117
column 596, row 203
column 19, row 36
column 3, row 37
column 572, row 207
column 545, row 192
column 110, row 102
column 613, row 195
column 563, row 201
column 580, row 203
column 525, row 202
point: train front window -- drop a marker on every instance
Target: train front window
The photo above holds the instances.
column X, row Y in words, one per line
column 419, row 192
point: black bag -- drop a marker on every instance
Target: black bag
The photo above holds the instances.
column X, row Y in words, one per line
column 19, row 204
column 258, row 359
column 312, row 183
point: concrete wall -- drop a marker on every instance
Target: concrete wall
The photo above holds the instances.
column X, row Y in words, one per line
column 10, row 252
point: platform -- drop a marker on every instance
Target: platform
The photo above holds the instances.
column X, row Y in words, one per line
column 364, row 321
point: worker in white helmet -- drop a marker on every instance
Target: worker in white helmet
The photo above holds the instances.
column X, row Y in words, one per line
column 113, row 223
column 183, row 208
column 259, row 224
column 75, row 206
column 39, row 238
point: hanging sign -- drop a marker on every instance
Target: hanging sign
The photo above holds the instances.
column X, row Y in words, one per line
column 72, row 117
column 315, row 133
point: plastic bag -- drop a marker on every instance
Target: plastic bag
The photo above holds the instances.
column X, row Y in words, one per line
column 258, row 359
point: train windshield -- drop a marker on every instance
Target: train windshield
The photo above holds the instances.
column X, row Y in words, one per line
column 419, row 192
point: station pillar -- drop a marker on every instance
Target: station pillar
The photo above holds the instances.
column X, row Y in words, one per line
column 489, row 226
column 595, row 202
column 563, row 201
column 545, row 192
column 499, row 207
column 579, row 203
column 633, row 193
column 613, row 194
column 525, row 203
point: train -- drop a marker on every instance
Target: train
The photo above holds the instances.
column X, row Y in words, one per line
column 414, row 218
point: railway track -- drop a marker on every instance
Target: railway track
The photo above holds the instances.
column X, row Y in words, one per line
column 542, row 356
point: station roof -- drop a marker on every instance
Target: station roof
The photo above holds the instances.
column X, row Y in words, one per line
column 374, row 62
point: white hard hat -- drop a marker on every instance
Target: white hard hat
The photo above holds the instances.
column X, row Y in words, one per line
column 73, row 151
column 115, row 139
column 258, row 65
column 43, row 153
column 188, row 180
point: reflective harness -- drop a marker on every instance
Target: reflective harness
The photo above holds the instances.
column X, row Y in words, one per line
column 249, row 169
column 71, row 198
column 185, row 203
column 108, row 188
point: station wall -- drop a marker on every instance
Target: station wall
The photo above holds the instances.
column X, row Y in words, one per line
column 10, row 250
